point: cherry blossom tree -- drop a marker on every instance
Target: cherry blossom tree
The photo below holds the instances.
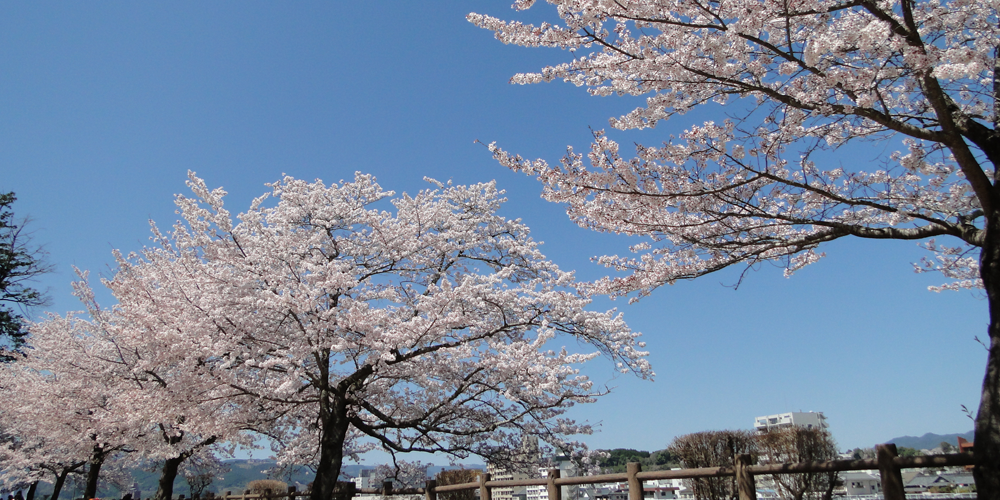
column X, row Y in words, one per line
column 62, row 409
column 422, row 323
column 802, row 81
column 30, row 459
column 94, row 386
column 170, row 399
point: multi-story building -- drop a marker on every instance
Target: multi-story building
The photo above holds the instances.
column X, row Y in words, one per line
column 503, row 474
column 809, row 420
column 527, row 454
column 364, row 479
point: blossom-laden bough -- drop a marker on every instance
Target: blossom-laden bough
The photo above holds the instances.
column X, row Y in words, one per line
column 805, row 84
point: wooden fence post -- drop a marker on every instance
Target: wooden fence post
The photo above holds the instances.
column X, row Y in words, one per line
column 555, row 492
column 634, row 484
column 291, row 493
column 345, row 490
column 429, row 493
column 387, row 487
column 745, row 484
column 892, row 480
column 484, row 492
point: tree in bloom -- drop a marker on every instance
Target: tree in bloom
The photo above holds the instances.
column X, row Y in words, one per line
column 62, row 414
column 422, row 323
column 802, row 81
column 93, row 386
column 169, row 397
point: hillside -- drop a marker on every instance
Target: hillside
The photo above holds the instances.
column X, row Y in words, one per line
column 929, row 441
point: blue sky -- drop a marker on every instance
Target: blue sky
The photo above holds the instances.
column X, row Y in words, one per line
column 104, row 107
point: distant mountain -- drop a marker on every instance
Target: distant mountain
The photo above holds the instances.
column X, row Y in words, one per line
column 929, row 441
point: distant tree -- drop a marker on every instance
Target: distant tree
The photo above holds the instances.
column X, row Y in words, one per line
column 617, row 459
column 20, row 263
column 903, row 451
column 663, row 457
column 799, row 444
column 458, row 476
column 622, row 456
column 863, row 453
column 947, row 447
column 713, row 449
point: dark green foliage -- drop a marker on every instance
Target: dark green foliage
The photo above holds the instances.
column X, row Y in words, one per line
column 908, row 452
column 20, row 263
column 664, row 458
column 619, row 458
column 622, row 456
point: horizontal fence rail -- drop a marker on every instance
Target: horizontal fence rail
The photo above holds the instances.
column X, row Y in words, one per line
column 888, row 464
column 892, row 468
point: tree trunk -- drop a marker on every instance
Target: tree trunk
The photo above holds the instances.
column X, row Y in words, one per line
column 94, row 472
column 165, row 488
column 31, row 491
column 987, row 437
column 333, row 419
column 60, row 481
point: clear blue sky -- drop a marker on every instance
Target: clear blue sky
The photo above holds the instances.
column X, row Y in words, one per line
column 105, row 106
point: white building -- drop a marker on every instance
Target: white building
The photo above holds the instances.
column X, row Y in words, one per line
column 861, row 483
column 808, row 420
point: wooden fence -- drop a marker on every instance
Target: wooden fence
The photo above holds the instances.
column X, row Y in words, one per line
column 887, row 462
